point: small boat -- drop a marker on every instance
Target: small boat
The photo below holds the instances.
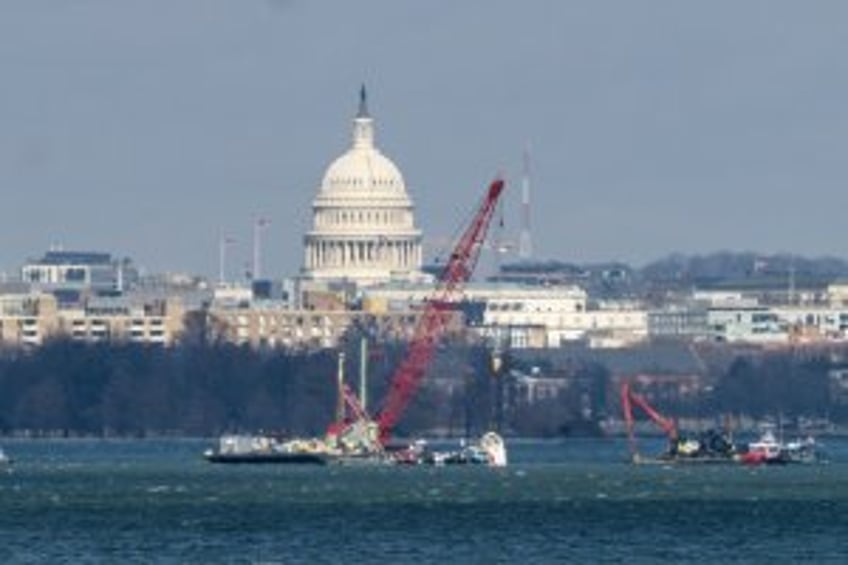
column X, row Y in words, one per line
column 769, row 450
column 803, row 451
column 4, row 459
column 766, row 450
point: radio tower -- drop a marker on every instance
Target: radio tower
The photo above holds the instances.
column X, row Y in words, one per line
column 525, row 244
column 259, row 225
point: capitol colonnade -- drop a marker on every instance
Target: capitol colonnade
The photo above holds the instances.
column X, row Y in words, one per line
column 370, row 253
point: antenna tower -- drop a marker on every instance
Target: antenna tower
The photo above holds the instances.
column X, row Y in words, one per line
column 525, row 243
column 223, row 243
column 259, row 226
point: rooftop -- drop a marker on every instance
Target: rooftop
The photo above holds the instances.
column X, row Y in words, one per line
column 75, row 258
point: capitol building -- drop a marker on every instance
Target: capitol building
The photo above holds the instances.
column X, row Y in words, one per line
column 363, row 224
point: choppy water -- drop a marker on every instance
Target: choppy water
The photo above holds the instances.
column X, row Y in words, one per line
column 575, row 501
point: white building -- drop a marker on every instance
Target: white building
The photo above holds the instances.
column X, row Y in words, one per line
column 363, row 223
column 778, row 325
column 746, row 324
column 529, row 315
column 814, row 323
column 837, row 294
column 724, row 299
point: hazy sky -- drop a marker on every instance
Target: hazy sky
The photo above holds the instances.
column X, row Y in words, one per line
column 146, row 127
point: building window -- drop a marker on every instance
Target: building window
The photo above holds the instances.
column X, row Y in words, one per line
column 75, row 274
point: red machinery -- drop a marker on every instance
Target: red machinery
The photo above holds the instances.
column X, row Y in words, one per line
column 431, row 323
column 628, row 398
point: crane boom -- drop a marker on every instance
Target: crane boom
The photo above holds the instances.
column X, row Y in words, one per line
column 628, row 398
column 431, row 323
column 353, row 404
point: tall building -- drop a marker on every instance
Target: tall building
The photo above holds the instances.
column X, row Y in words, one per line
column 363, row 219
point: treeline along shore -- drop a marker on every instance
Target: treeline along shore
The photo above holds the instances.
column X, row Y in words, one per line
column 70, row 388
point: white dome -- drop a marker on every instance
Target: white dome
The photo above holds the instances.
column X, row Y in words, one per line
column 363, row 225
column 363, row 169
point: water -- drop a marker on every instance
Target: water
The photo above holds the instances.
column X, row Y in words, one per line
column 575, row 501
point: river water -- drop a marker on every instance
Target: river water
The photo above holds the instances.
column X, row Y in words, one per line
column 558, row 502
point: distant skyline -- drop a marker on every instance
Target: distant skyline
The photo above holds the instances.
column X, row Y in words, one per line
column 147, row 128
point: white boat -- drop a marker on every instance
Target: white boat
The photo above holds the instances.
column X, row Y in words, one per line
column 766, row 449
column 4, row 459
column 769, row 450
column 803, row 451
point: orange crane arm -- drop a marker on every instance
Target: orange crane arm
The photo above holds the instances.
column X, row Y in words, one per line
column 628, row 398
column 664, row 423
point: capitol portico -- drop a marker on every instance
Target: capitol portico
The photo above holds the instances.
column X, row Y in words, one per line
column 363, row 227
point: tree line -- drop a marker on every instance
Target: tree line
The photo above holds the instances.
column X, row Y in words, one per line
column 130, row 389
column 196, row 389
column 204, row 389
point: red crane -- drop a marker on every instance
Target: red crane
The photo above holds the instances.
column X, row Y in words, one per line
column 431, row 323
column 628, row 398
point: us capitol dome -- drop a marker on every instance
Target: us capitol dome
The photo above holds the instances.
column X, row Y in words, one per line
column 363, row 227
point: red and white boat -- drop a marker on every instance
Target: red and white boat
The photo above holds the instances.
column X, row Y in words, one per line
column 766, row 450
column 769, row 450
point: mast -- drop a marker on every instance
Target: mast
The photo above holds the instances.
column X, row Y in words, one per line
column 340, row 400
column 363, row 373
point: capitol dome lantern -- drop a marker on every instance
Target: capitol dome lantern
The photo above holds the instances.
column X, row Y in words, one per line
column 363, row 227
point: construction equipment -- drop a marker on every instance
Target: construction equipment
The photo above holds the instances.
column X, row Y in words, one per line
column 628, row 398
column 431, row 323
column 709, row 446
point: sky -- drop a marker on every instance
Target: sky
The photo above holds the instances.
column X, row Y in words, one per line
column 148, row 128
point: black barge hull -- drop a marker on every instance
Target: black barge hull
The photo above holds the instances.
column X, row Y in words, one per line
column 268, row 458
